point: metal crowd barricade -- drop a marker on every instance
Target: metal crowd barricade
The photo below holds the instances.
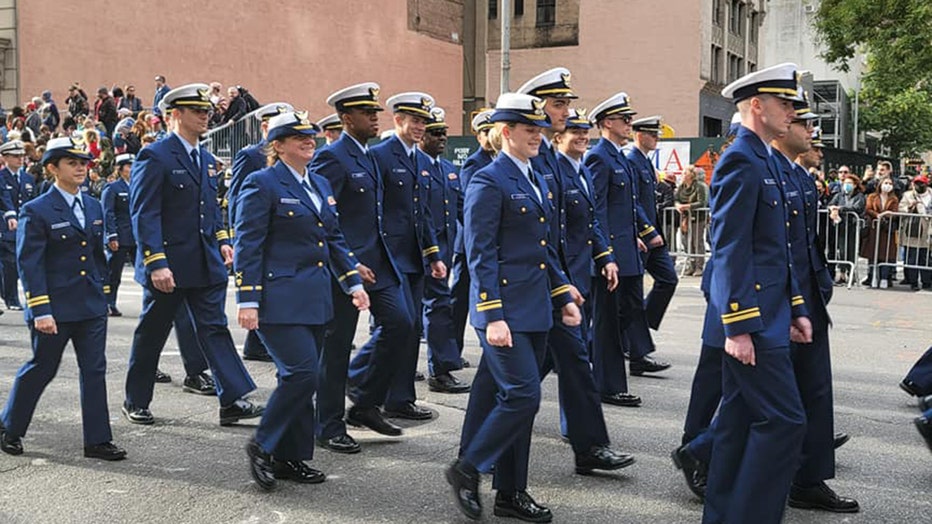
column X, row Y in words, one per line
column 226, row 140
column 842, row 242
column 907, row 236
column 686, row 235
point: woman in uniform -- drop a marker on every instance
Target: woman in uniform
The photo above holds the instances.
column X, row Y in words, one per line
column 287, row 244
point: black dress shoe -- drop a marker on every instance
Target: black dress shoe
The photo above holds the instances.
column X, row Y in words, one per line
column 138, row 415
column 200, row 384
column 648, row 364
column 419, row 377
column 910, row 388
column 340, row 444
column 162, row 378
column 521, row 506
column 297, row 471
column 622, row 399
column 693, row 469
column 10, row 445
column 105, row 451
column 447, row 383
column 925, row 403
column 464, row 479
column 924, row 426
column 240, row 409
column 823, row 498
column 601, row 458
column 409, row 411
column 258, row 357
column 841, row 439
column 371, row 418
column 260, row 466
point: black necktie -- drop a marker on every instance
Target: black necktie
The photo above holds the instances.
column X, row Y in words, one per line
column 195, row 159
column 411, row 156
column 77, row 207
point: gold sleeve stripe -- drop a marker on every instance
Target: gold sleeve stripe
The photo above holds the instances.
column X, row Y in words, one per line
column 740, row 313
column 559, row 291
column 232, row 233
column 223, row 235
column 38, row 301
column 746, row 316
column 798, row 301
column 347, row 274
column 603, row 254
column 250, row 288
column 430, row 251
column 106, row 290
column 153, row 258
column 492, row 304
column 646, row 231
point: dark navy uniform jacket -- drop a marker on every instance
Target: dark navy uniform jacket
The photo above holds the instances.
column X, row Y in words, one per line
column 513, row 267
column 617, row 207
column 444, row 201
column 585, row 246
column 176, row 219
column 13, row 194
column 357, row 187
column 285, row 249
column 646, row 178
column 752, row 288
column 474, row 162
column 406, row 210
column 248, row 160
column 61, row 264
column 117, row 223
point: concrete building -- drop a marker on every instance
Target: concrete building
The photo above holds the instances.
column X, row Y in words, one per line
column 279, row 49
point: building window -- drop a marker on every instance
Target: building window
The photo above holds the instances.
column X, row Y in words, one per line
column 519, row 7
column 751, row 67
column 735, row 17
column 734, row 68
column 716, row 76
column 753, row 27
column 717, row 12
column 711, row 127
column 546, row 13
column 493, row 9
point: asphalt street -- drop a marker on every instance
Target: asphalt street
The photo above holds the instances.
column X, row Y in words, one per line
column 186, row 468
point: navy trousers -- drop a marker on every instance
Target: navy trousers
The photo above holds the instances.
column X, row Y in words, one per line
column 443, row 354
column 921, row 373
column 813, row 366
column 383, row 367
column 10, row 275
column 659, row 265
column 253, row 346
column 459, row 298
column 287, row 427
column 116, row 261
column 89, row 338
column 613, row 313
column 758, row 436
column 704, row 398
column 581, row 417
column 206, row 305
column 504, row 400
column 334, row 363
column 192, row 356
column 395, row 349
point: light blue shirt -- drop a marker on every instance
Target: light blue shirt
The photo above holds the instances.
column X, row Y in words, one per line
column 577, row 167
column 305, row 183
column 525, row 168
column 362, row 147
column 70, row 200
column 188, row 147
column 408, row 150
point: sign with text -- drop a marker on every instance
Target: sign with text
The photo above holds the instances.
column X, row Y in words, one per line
column 671, row 157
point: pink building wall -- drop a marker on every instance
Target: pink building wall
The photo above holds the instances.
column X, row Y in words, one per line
column 281, row 50
column 649, row 49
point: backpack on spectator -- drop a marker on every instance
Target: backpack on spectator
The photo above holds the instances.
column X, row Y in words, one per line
column 251, row 103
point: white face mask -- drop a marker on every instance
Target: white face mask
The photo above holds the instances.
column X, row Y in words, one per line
column 886, row 188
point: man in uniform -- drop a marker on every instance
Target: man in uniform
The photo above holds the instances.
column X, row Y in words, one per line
column 357, row 186
column 755, row 299
column 16, row 188
column 248, row 160
column 182, row 254
column 620, row 214
column 443, row 356
column 460, row 287
column 331, row 127
column 657, row 259
column 410, row 238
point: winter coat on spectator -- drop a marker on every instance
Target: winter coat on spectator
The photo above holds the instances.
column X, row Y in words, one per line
column 914, row 232
column 882, row 232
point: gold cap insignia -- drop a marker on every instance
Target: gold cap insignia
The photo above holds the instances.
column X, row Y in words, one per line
column 203, row 93
column 566, row 79
column 538, row 106
column 425, row 101
column 301, row 117
column 374, row 93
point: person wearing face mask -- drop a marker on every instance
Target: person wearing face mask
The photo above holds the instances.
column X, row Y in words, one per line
column 915, row 232
column 880, row 245
column 845, row 209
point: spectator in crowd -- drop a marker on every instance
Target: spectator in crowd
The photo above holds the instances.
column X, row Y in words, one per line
column 44, row 134
column 880, row 245
column 914, row 232
column 130, row 101
column 107, row 157
column 216, row 118
column 77, row 102
column 663, row 196
column 216, row 93
column 92, row 140
column 105, row 110
column 156, row 130
column 117, row 93
column 868, row 181
column 237, row 107
column 160, row 89
column 19, row 131
column 845, row 210
column 96, row 183
column 824, row 195
column 692, row 201
column 52, row 118
column 132, row 142
column 148, row 139
column 68, row 126
column 3, row 128
column 33, row 116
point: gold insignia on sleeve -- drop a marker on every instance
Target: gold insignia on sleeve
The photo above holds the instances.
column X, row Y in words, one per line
column 733, row 306
column 483, row 296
